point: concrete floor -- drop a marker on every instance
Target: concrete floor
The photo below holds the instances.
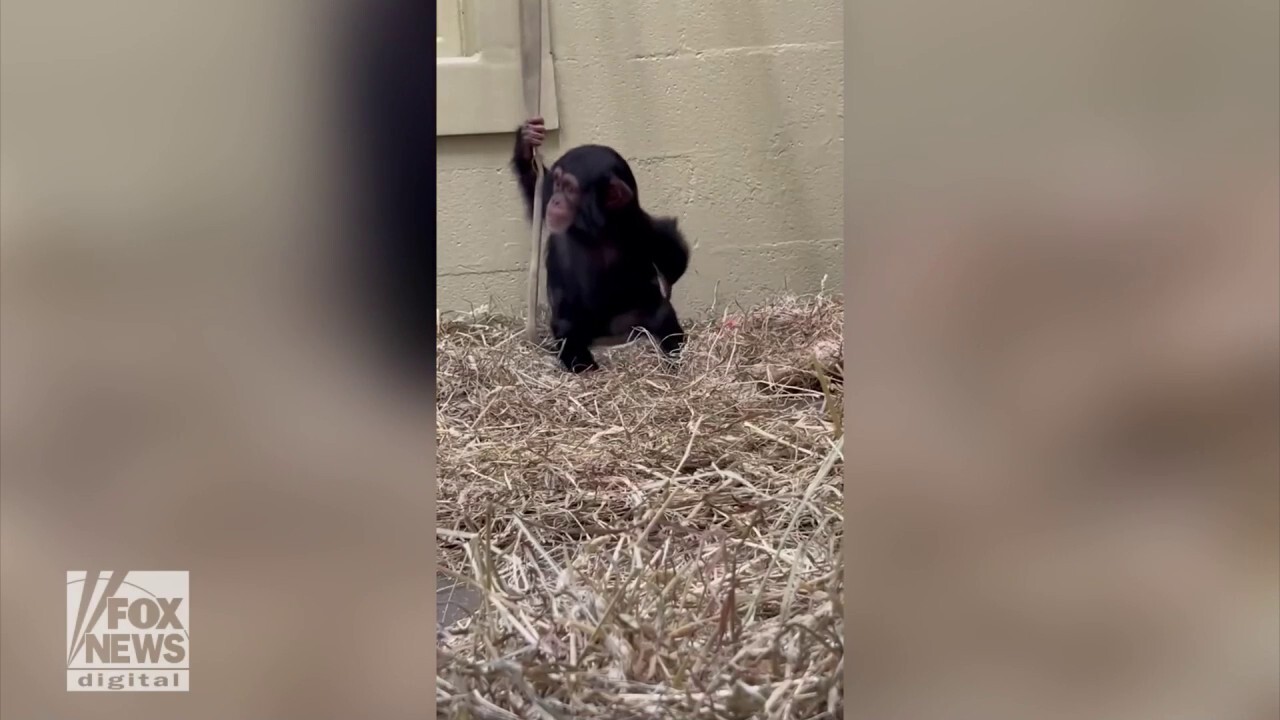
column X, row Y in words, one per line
column 453, row 602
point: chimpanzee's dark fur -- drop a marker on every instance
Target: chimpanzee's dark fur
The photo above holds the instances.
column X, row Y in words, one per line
column 602, row 272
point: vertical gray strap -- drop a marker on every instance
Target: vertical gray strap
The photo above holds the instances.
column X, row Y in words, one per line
column 531, row 71
column 531, row 55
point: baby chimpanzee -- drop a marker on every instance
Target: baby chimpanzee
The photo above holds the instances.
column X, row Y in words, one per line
column 607, row 259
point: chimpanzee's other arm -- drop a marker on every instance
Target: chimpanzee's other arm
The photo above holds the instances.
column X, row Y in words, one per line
column 669, row 250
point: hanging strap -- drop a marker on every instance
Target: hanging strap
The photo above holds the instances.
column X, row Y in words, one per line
column 531, row 70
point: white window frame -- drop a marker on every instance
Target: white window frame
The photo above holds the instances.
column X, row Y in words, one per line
column 449, row 28
column 480, row 90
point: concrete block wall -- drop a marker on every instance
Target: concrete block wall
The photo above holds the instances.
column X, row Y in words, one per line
column 730, row 112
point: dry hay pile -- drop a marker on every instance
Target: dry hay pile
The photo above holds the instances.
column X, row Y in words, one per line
column 645, row 545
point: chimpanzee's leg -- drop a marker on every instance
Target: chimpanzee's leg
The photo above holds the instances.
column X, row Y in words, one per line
column 664, row 325
column 575, row 346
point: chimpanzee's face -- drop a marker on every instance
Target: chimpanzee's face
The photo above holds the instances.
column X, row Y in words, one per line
column 566, row 196
column 586, row 187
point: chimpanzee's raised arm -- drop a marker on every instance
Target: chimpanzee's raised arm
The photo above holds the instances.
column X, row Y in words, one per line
column 669, row 250
column 529, row 137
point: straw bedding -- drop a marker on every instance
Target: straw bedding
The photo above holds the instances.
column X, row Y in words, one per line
column 642, row 544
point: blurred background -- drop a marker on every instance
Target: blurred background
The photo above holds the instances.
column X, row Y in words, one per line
column 188, row 380
column 1063, row 267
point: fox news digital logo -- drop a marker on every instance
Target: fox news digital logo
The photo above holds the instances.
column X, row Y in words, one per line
column 127, row 631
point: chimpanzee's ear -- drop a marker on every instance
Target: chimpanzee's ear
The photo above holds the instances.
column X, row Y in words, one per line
column 618, row 194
